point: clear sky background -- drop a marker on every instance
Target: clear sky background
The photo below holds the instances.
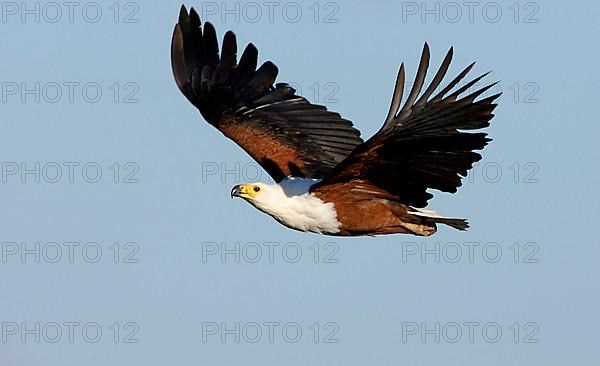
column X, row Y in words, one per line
column 136, row 253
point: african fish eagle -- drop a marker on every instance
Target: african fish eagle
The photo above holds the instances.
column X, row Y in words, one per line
column 328, row 180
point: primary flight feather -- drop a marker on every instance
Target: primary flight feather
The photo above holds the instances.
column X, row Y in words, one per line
column 328, row 180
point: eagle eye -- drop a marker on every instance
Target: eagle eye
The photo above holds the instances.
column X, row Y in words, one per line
column 256, row 189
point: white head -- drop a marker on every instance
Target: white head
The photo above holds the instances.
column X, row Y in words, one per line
column 264, row 194
column 260, row 195
column 291, row 203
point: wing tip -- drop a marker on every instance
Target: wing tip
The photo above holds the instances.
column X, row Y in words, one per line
column 183, row 13
column 194, row 15
column 252, row 48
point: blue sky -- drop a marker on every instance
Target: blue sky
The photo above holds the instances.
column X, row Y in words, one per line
column 120, row 244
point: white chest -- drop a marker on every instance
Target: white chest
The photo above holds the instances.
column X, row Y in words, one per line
column 308, row 213
column 291, row 204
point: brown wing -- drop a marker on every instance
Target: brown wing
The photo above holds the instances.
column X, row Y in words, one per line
column 282, row 131
column 421, row 145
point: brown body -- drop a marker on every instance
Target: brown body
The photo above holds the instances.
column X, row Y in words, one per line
column 364, row 209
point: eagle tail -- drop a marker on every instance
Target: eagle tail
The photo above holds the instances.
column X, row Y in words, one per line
column 434, row 217
column 459, row 224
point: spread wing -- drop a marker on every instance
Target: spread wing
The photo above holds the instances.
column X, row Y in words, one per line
column 282, row 131
column 422, row 144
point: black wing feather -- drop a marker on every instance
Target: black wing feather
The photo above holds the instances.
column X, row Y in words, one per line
column 423, row 144
column 230, row 93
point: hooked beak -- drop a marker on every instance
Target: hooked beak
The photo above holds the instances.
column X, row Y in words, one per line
column 236, row 191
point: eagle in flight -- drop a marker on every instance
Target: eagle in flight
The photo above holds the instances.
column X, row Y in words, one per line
column 328, row 180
